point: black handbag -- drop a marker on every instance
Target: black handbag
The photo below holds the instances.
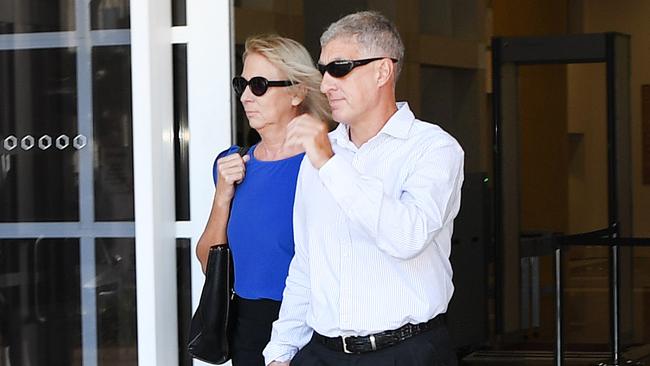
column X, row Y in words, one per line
column 212, row 322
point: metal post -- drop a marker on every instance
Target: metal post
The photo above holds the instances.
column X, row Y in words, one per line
column 617, row 76
column 558, row 357
column 616, row 302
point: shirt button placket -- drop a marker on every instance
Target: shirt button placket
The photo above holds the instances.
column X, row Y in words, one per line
column 356, row 161
column 346, row 280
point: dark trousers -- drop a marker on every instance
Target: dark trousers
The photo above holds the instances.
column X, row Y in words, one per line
column 431, row 348
column 252, row 330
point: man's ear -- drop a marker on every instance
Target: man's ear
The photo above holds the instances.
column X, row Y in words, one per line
column 299, row 95
column 385, row 71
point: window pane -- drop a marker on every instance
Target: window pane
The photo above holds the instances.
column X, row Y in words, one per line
column 40, row 314
column 184, row 258
column 26, row 16
column 179, row 16
column 113, row 133
column 181, row 130
column 109, row 14
column 117, row 339
column 38, row 124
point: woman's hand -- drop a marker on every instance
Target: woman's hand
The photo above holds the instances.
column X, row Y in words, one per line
column 231, row 170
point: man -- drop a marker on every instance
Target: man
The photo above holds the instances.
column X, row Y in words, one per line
column 373, row 216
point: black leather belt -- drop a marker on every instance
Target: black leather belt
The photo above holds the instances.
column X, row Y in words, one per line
column 377, row 341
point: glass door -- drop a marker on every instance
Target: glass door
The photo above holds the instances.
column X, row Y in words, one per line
column 67, row 247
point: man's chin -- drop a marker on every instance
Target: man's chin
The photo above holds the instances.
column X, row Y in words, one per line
column 339, row 116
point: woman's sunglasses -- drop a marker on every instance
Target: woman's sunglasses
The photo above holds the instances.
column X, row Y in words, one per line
column 258, row 85
column 340, row 68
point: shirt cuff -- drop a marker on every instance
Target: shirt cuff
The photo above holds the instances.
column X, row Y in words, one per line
column 274, row 352
column 335, row 175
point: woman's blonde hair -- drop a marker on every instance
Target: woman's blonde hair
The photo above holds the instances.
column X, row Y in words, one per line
column 293, row 59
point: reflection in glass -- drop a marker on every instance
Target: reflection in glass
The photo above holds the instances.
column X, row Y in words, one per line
column 181, row 131
column 110, row 14
column 116, row 302
column 184, row 286
column 113, row 133
column 38, row 105
column 40, row 315
column 586, row 294
column 26, row 16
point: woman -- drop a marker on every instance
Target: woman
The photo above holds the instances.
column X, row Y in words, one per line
column 253, row 202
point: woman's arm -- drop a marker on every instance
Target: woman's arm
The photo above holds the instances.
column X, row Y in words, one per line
column 231, row 170
column 215, row 230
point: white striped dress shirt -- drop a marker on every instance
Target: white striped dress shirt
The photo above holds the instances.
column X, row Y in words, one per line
column 372, row 233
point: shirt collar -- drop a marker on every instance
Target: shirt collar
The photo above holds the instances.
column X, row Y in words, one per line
column 398, row 125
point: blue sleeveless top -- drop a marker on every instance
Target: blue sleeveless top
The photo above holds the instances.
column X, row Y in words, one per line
column 260, row 228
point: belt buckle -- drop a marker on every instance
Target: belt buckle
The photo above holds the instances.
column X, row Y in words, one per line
column 345, row 346
column 373, row 343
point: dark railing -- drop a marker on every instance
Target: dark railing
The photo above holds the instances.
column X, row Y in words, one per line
column 607, row 238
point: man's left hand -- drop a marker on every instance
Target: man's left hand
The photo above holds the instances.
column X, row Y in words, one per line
column 311, row 134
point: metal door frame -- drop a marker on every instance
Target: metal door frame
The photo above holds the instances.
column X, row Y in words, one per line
column 82, row 39
column 508, row 53
column 209, row 36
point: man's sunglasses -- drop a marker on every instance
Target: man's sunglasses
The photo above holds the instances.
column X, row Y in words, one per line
column 340, row 68
column 258, row 85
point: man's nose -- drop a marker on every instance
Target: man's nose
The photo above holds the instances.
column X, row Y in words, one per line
column 327, row 83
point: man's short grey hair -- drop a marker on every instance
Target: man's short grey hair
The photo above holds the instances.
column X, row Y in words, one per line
column 376, row 35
